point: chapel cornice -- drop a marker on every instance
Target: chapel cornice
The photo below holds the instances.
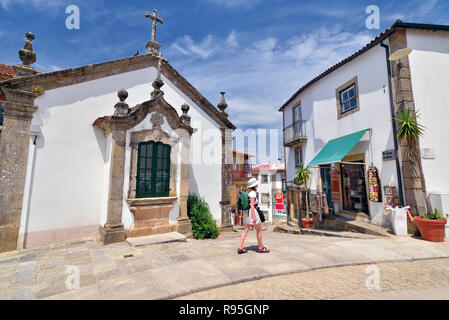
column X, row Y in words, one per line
column 138, row 113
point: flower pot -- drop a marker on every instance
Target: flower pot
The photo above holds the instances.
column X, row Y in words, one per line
column 307, row 223
column 431, row 230
column 298, row 182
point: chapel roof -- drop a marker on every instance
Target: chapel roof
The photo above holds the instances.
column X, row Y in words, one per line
column 71, row 76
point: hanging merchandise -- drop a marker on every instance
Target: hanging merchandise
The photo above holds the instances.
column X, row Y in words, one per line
column 391, row 197
column 374, row 185
column 325, row 206
column 318, row 208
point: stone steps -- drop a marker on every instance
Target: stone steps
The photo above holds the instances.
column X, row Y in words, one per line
column 156, row 239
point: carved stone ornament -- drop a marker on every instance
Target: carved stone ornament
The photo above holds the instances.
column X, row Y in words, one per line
column 27, row 55
column 157, row 120
column 121, row 108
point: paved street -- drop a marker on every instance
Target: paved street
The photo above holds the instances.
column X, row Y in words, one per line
column 173, row 270
column 422, row 280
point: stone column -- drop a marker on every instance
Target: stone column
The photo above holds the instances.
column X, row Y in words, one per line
column 113, row 230
column 414, row 186
column 14, row 143
column 226, row 180
column 184, row 225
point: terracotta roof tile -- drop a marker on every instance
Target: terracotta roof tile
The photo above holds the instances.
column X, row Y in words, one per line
column 7, row 70
column 242, row 153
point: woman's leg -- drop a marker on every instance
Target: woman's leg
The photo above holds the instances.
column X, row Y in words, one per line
column 243, row 236
column 258, row 228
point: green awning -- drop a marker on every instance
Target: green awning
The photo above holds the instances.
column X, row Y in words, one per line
column 337, row 149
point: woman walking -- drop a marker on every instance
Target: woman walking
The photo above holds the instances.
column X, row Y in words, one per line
column 251, row 218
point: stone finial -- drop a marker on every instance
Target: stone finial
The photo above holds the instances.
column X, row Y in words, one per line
column 158, row 83
column 185, row 118
column 27, row 55
column 121, row 108
column 222, row 105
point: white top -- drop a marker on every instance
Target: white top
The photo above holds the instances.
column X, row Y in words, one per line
column 252, row 194
column 248, row 216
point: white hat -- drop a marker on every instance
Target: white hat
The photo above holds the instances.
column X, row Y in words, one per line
column 253, row 182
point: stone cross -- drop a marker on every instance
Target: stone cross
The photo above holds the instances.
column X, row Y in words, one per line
column 155, row 21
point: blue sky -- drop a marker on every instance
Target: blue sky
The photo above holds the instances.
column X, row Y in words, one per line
column 258, row 51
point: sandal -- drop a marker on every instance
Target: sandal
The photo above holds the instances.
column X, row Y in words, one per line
column 240, row 251
column 264, row 250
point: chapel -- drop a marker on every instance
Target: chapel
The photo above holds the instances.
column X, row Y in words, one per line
column 111, row 149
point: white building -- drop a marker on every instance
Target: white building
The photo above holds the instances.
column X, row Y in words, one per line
column 341, row 121
column 272, row 179
column 77, row 162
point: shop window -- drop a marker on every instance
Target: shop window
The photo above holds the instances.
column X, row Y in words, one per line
column 153, row 170
column 347, row 98
column 354, row 188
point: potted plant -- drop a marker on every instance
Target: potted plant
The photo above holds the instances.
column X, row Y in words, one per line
column 303, row 176
column 431, row 224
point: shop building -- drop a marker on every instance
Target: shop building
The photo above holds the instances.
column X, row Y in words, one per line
column 341, row 125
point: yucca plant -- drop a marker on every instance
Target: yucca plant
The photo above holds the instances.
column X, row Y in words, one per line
column 304, row 175
column 410, row 131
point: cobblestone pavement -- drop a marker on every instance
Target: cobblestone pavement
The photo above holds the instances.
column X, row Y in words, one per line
column 425, row 279
column 171, row 270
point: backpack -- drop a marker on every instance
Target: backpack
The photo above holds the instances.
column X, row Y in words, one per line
column 243, row 200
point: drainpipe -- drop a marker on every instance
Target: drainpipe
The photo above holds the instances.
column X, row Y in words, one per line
column 395, row 140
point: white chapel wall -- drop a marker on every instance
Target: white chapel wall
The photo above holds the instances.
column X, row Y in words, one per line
column 69, row 187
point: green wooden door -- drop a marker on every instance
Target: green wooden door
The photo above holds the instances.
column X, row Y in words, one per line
column 153, row 170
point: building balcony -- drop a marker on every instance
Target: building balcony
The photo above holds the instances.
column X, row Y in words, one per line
column 241, row 175
column 295, row 134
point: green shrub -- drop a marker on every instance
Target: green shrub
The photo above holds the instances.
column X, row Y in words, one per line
column 203, row 225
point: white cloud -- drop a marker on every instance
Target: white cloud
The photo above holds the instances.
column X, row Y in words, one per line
column 204, row 49
column 260, row 75
column 231, row 40
column 235, row 3
column 36, row 4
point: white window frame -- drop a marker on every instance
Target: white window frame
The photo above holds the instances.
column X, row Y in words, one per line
column 350, row 101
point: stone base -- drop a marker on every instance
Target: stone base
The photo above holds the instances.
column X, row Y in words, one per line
column 143, row 231
column 151, row 216
column 23, row 70
column 152, row 47
column 228, row 228
column 184, row 226
column 110, row 235
column 8, row 239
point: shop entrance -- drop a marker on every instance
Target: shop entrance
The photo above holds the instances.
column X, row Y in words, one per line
column 326, row 184
column 354, row 188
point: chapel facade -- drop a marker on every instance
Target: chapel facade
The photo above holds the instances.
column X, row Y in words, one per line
column 78, row 162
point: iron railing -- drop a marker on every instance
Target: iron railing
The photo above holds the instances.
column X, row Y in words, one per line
column 294, row 132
